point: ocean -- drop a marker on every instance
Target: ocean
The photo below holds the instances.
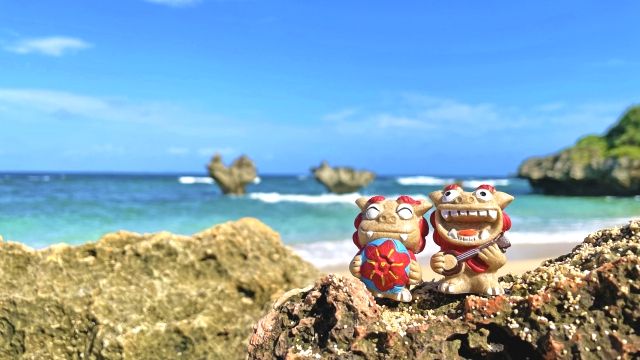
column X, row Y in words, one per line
column 43, row 209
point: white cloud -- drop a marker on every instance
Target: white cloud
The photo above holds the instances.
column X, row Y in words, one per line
column 612, row 63
column 175, row 3
column 415, row 112
column 178, row 151
column 50, row 46
column 340, row 115
column 210, row 151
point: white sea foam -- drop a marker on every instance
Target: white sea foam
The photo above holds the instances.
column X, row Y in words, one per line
column 274, row 197
column 436, row 181
column 423, row 180
column 493, row 182
column 195, row 180
column 257, row 180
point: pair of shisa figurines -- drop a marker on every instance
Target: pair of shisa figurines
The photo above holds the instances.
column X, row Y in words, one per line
column 469, row 227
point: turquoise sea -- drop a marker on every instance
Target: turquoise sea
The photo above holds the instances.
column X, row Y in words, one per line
column 42, row 209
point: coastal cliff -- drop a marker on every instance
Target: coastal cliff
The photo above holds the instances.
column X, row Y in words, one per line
column 585, row 304
column 144, row 296
column 596, row 165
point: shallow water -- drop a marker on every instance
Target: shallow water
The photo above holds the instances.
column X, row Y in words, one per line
column 43, row 209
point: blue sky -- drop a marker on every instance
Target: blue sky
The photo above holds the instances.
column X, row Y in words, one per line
column 418, row 88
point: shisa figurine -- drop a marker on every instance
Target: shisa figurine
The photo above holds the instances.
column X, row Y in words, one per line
column 388, row 235
column 469, row 227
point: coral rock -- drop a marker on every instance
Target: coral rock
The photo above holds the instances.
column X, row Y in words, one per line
column 151, row 296
column 232, row 179
column 585, row 304
column 342, row 180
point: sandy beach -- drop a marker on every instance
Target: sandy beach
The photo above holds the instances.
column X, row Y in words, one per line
column 521, row 258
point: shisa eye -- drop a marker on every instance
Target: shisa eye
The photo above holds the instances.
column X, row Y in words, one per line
column 405, row 211
column 372, row 212
column 450, row 195
column 483, row 194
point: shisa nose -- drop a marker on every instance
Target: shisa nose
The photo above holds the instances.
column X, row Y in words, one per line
column 466, row 199
column 388, row 218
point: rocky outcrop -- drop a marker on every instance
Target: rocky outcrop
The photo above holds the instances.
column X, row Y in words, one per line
column 151, row 296
column 232, row 179
column 585, row 304
column 342, row 180
column 607, row 165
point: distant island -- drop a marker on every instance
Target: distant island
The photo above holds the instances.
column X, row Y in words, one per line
column 594, row 166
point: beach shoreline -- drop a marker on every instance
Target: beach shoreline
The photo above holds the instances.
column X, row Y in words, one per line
column 520, row 258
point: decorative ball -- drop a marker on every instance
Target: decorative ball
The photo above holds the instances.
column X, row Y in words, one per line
column 385, row 265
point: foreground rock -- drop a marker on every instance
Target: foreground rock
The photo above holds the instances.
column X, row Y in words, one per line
column 232, row 179
column 153, row 296
column 585, row 304
column 342, row 180
column 607, row 165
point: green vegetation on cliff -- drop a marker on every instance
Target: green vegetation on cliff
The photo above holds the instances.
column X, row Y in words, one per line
column 595, row 165
column 622, row 140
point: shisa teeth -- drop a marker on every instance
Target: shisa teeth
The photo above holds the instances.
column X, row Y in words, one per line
column 484, row 235
column 370, row 234
column 404, row 237
column 455, row 213
column 453, row 234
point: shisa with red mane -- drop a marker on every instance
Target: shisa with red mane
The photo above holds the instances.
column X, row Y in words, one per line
column 388, row 235
column 469, row 227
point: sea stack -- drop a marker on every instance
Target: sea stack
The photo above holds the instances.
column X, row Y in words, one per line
column 342, row 180
column 232, row 179
column 594, row 166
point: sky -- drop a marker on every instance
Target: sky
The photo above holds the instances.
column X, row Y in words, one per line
column 417, row 87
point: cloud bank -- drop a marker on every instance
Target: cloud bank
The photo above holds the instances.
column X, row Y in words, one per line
column 49, row 46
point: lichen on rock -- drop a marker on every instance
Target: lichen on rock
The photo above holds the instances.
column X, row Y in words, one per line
column 144, row 296
column 596, row 165
column 585, row 304
column 234, row 178
column 342, row 180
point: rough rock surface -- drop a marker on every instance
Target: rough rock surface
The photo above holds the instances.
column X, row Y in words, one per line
column 607, row 165
column 232, row 179
column 583, row 305
column 342, row 180
column 151, row 296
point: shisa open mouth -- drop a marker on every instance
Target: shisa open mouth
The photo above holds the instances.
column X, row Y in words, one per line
column 469, row 225
column 372, row 234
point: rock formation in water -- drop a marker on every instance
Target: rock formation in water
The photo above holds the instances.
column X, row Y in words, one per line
column 585, row 304
column 151, row 296
column 232, row 179
column 596, row 165
column 342, row 180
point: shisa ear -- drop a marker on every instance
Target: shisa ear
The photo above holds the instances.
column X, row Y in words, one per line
column 503, row 199
column 423, row 207
column 436, row 196
column 362, row 202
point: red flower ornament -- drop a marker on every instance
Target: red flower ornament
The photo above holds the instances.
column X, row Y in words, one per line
column 385, row 264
